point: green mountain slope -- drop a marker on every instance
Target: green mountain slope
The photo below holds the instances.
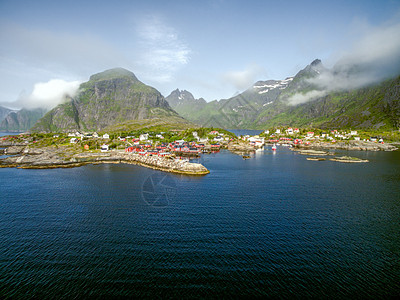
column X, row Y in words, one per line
column 376, row 106
column 112, row 97
column 272, row 103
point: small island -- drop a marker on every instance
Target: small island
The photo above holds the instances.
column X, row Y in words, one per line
column 349, row 159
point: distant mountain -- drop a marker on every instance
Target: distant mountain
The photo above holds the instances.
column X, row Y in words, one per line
column 184, row 103
column 109, row 100
column 177, row 98
column 21, row 120
column 236, row 112
column 4, row 112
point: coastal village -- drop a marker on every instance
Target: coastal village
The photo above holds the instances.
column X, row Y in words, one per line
column 171, row 150
column 154, row 144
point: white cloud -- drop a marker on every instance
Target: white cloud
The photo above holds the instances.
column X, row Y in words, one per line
column 46, row 94
column 371, row 58
column 243, row 79
column 378, row 47
column 162, row 52
column 300, row 98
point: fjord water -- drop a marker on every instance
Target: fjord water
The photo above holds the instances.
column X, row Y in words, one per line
column 275, row 225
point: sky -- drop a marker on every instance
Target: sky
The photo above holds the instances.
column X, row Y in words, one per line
column 212, row 48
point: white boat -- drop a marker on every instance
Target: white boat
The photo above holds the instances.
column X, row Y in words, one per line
column 273, row 147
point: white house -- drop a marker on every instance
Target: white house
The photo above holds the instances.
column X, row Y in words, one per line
column 195, row 135
column 266, row 131
column 73, row 140
column 159, row 136
column 106, row 136
column 278, row 131
column 289, row 130
column 95, row 135
column 353, row 132
column 144, row 137
column 259, row 142
column 104, row 148
column 310, row 134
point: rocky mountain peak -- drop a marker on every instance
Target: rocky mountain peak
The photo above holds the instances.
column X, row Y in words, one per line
column 181, row 95
column 316, row 62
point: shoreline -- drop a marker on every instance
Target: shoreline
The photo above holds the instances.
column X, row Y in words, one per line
column 350, row 145
column 26, row 156
column 53, row 158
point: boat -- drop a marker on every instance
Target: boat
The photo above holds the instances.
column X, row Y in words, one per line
column 273, row 147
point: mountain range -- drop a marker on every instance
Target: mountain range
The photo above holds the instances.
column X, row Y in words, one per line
column 273, row 103
column 115, row 100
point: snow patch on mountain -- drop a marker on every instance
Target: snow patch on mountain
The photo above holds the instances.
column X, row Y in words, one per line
column 266, row 86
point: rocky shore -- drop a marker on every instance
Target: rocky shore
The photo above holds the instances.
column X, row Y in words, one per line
column 350, row 145
column 63, row 157
column 241, row 148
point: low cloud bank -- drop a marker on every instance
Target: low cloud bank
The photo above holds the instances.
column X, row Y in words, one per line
column 46, row 94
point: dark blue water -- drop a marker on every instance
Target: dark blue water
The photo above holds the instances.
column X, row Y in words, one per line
column 275, row 225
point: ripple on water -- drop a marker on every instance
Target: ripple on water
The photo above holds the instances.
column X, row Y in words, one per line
column 276, row 225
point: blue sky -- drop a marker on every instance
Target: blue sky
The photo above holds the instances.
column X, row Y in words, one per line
column 213, row 49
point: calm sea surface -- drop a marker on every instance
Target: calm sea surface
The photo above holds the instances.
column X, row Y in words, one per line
column 275, row 225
